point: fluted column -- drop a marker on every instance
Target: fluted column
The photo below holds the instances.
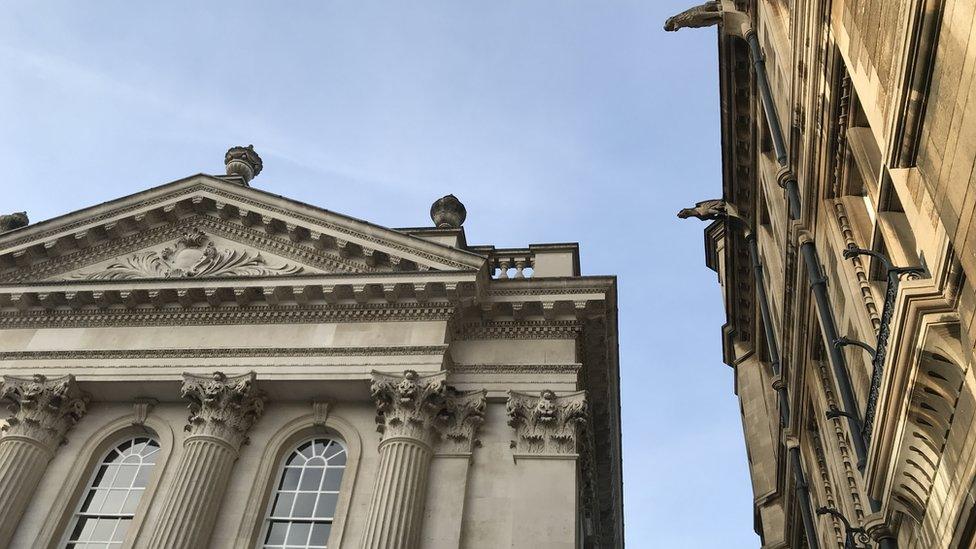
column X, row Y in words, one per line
column 43, row 411
column 414, row 413
column 222, row 410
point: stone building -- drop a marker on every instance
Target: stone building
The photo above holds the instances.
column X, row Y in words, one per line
column 841, row 236
column 293, row 334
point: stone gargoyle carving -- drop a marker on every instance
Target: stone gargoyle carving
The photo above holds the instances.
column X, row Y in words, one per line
column 706, row 210
column 13, row 221
column 705, row 15
column 193, row 256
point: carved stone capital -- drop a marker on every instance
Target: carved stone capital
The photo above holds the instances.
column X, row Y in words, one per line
column 43, row 409
column 222, row 407
column 464, row 412
column 409, row 405
column 547, row 424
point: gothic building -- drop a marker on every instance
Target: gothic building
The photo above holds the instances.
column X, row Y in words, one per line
column 206, row 364
column 841, row 239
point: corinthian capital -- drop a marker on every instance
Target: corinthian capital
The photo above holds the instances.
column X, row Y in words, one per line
column 43, row 409
column 547, row 424
column 222, row 407
column 463, row 414
column 408, row 405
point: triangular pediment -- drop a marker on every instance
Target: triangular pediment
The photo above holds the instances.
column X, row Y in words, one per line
column 209, row 227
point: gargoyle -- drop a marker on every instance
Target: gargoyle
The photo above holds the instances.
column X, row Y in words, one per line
column 705, row 15
column 13, row 221
column 706, row 210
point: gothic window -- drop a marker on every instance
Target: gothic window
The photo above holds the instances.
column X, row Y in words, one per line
column 302, row 509
column 111, row 497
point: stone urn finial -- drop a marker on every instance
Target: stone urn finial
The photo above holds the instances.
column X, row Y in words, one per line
column 448, row 212
column 243, row 162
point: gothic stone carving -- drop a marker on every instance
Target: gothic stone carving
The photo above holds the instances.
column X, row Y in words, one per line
column 547, row 424
column 222, row 407
column 193, row 256
column 425, row 408
column 705, row 15
column 706, row 210
column 43, row 409
column 13, row 221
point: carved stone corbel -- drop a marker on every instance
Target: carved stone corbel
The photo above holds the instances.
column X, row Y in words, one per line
column 141, row 409
column 222, row 407
column 320, row 413
column 547, row 424
column 43, row 409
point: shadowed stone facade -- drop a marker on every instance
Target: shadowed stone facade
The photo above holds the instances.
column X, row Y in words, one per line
column 843, row 244
column 205, row 364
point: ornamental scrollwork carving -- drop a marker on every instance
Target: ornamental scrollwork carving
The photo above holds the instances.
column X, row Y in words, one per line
column 547, row 424
column 42, row 409
column 425, row 408
column 222, row 407
column 193, row 256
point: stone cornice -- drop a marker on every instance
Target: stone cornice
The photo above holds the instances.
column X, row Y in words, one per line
column 238, row 352
column 205, row 194
column 222, row 407
column 43, row 409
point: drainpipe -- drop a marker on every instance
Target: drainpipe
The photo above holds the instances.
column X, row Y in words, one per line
column 771, row 346
column 786, row 179
column 710, row 210
column 818, row 284
column 803, row 496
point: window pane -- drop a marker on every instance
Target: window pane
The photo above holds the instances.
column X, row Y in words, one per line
column 276, row 533
column 298, row 533
column 304, row 505
column 312, row 479
column 320, row 534
column 327, row 505
column 282, row 507
column 333, row 478
column 289, row 480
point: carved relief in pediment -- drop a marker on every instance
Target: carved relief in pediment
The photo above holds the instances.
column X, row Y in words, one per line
column 194, row 255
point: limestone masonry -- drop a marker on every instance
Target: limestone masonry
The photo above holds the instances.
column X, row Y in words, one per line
column 205, row 364
column 844, row 239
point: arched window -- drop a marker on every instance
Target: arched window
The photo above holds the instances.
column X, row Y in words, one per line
column 303, row 505
column 111, row 497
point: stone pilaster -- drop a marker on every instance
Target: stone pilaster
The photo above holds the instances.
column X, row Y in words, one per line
column 222, row 410
column 549, row 434
column 43, row 410
column 414, row 412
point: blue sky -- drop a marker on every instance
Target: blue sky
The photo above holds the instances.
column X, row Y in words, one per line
column 553, row 121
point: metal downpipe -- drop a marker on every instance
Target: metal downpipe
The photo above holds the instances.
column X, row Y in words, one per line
column 803, row 499
column 775, row 130
column 818, row 284
column 771, row 346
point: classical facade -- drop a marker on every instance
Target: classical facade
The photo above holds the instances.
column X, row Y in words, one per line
column 205, row 364
column 841, row 238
